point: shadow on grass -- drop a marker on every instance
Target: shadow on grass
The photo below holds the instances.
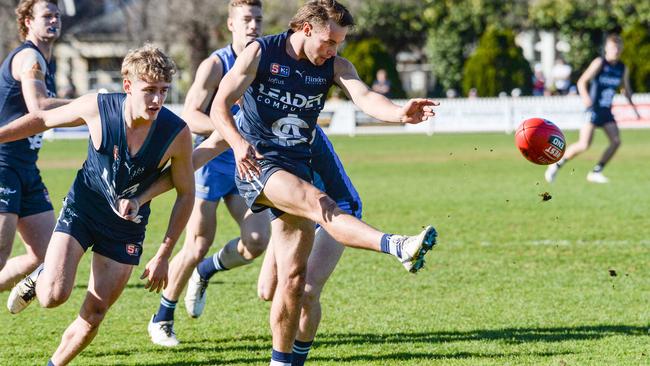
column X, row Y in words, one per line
column 258, row 347
column 508, row 335
column 140, row 285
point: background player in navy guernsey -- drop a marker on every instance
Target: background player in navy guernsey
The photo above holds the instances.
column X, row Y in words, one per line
column 132, row 137
column 26, row 85
column 605, row 74
column 284, row 80
column 214, row 181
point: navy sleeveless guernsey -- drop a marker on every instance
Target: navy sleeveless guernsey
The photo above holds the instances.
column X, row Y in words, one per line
column 22, row 153
column 225, row 162
column 606, row 83
column 602, row 90
column 110, row 172
column 283, row 103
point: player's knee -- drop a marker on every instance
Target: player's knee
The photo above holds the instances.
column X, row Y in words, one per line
column 311, row 298
column 197, row 251
column 265, row 292
column 255, row 244
column 94, row 313
column 53, row 297
column 616, row 142
column 581, row 147
column 294, row 284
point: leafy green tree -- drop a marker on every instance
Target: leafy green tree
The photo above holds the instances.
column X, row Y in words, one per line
column 497, row 65
column 585, row 23
column 455, row 27
column 368, row 56
column 636, row 53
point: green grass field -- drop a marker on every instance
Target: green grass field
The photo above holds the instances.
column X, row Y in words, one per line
column 514, row 281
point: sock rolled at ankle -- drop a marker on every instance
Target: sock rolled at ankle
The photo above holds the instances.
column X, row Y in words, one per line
column 280, row 358
column 390, row 246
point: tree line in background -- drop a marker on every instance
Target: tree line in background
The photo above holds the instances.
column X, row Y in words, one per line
column 469, row 43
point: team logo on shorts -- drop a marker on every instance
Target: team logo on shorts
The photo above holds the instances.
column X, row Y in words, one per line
column 46, row 195
column 277, row 69
column 133, row 250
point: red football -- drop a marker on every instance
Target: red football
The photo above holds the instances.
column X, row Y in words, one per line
column 540, row 141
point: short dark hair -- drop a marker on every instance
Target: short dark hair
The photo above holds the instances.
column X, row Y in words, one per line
column 320, row 12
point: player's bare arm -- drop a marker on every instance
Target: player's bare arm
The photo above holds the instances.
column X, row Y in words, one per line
column 627, row 91
column 29, row 67
column 586, row 77
column 82, row 110
column 203, row 89
column 182, row 176
column 375, row 104
column 232, row 87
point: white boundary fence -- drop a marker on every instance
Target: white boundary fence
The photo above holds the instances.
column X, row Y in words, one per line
column 460, row 115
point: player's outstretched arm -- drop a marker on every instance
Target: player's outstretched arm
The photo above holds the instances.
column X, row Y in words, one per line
column 586, row 77
column 73, row 114
column 183, row 178
column 375, row 104
column 211, row 147
column 231, row 88
column 28, row 67
column 203, row 89
column 627, row 91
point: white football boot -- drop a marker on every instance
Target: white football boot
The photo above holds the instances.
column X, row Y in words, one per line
column 195, row 295
column 597, row 177
column 162, row 333
column 413, row 248
column 24, row 292
column 551, row 172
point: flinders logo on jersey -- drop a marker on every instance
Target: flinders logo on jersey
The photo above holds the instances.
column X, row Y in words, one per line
column 315, row 80
column 277, row 69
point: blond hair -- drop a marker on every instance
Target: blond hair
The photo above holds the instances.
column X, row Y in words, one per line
column 319, row 12
column 239, row 3
column 148, row 63
column 24, row 11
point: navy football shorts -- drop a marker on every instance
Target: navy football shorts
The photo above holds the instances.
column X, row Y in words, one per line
column 125, row 248
column 600, row 116
column 251, row 190
column 22, row 192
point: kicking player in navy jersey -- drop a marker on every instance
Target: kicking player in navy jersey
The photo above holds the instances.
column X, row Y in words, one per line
column 606, row 75
column 331, row 178
column 26, row 85
column 283, row 80
column 214, row 181
column 132, row 137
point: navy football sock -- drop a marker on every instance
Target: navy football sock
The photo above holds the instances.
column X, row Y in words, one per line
column 300, row 352
column 165, row 311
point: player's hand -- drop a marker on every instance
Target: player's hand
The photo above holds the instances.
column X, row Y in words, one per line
column 246, row 160
column 418, row 110
column 128, row 208
column 155, row 272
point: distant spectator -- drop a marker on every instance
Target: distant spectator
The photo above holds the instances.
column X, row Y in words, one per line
column 539, row 81
column 451, row 93
column 515, row 93
column 381, row 84
column 561, row 74
column 473, row 93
